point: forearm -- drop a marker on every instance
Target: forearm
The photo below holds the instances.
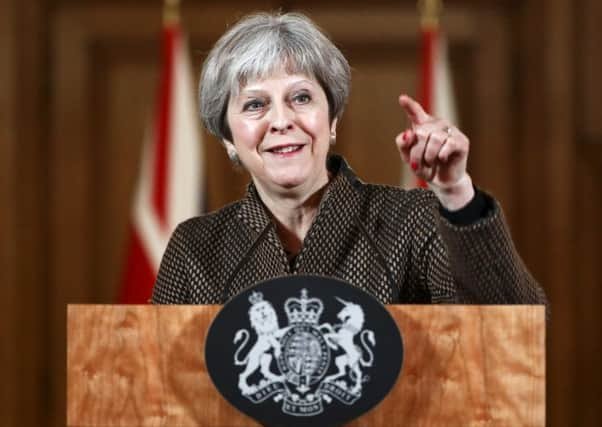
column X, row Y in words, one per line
column 455, row 197
column 485, row 264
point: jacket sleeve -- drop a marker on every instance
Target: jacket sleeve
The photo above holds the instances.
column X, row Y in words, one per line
column 171, row 286
column 480, row 259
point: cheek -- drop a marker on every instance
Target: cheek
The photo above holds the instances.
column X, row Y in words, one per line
column 316, row 124
column 247, row 132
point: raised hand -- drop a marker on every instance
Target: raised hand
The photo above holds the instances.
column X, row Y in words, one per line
column 437, row 152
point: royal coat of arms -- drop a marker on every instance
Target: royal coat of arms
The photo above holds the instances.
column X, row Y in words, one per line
column 293, row 364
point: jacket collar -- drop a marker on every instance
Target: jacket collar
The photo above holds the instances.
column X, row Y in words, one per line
column 255, row 214
column 335, row 222
column 252, row 210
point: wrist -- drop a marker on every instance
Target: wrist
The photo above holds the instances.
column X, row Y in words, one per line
column 457, row 195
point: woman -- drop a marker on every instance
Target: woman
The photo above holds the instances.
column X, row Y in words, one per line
column 273, row 90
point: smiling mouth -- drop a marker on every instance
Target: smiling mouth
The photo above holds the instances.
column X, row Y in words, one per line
column 286, row 149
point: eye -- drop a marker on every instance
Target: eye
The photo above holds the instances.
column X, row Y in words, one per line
column 253, row 105
column 301, row 98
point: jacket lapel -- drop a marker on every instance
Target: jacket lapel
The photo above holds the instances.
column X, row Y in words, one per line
column 267, row 259
column 328, row 241
column 335, row 228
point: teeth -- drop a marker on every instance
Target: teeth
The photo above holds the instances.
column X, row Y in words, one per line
column 288, row 149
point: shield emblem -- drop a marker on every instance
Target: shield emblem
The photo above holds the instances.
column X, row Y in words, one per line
column 304, row 350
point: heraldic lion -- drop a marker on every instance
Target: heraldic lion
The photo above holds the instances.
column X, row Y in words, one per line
column 264, row 320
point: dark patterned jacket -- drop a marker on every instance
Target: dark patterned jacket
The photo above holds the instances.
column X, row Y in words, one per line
column 394, row 244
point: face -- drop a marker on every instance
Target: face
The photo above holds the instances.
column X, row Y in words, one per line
column 263, row 316
column 281, row 133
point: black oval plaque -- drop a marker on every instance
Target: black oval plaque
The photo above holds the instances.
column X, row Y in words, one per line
column 303, row 350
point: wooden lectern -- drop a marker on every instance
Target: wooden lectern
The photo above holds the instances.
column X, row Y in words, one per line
column 463, row 365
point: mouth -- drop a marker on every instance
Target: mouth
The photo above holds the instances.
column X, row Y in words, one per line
column 286, row 150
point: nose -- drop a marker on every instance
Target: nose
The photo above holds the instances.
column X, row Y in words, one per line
column 282, row 119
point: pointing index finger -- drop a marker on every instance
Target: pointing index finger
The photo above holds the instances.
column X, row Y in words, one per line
column 413, row 109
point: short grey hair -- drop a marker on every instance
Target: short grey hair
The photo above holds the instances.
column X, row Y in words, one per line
column 259, row 45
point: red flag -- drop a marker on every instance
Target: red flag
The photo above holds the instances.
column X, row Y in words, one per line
column 435, row 92
column 169, row 183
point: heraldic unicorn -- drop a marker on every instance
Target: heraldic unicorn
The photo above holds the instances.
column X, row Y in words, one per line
column 290, row 363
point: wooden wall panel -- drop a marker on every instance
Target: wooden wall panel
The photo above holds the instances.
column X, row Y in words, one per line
column 493, row 148
column 587, row 284
column 534, row 134
column 367, row 141
column 530, row 119
column 555, row 148
column 8, row 221
column 589, row 84
column 23, row 298
column 527, row 75
column 125, row 90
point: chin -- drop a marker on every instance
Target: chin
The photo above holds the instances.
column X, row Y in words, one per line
column 300, row 176
column 289, row 182
column 289, row 178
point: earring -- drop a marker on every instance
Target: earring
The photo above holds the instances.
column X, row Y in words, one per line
column 333, row 138
column 233, row 157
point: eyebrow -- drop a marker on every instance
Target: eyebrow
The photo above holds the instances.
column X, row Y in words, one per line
column 252, row 90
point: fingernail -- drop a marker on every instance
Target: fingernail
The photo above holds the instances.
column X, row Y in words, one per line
column 404, row 136
column 414, row 165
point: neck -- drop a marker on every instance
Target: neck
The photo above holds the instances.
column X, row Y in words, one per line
column 293, row 215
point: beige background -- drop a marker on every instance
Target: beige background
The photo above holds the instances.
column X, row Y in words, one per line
column 78, row 80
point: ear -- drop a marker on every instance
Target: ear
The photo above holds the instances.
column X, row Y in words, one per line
column 333, row 126
column 230, row 148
